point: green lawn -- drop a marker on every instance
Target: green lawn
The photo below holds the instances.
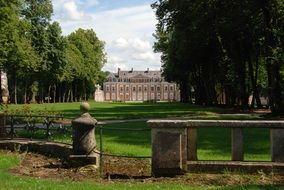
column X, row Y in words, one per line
column 9, row 182
column 109, row 110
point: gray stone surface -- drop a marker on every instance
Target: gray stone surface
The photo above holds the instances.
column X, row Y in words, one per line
column 277, row 145
column 165, row 132
column 191, row 144
column 216, row 123
column 235, row 166
column 42, row 147
column 237, row 144
column 84, row 141
column 169, row 151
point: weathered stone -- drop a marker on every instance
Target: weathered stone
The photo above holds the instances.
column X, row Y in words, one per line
column 277, row 145
column 84, row 141
column 191, row 144
column 217, row 123
column 55, row 149
column 234, row 166
column 169, row 151
column 237, row 144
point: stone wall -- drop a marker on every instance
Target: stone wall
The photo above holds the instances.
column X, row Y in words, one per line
column 174, row 142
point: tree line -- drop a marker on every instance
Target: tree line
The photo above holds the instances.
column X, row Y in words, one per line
column 42, row 65
column 230, row 48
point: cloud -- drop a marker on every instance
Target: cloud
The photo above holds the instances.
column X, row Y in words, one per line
column 127, row 32
column 71, row 10
column 121, row 43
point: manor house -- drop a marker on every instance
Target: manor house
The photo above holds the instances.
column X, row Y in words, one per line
column 139, row 86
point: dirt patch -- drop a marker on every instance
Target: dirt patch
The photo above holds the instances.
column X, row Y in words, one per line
column 128, row 170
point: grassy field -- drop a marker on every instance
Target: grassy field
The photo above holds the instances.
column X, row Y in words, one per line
column 107, row 111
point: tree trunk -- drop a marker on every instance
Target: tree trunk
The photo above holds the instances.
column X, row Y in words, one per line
column 54, row 93
column 272, row 65
column 48, row 94
column 25, row 93
column 15, row 89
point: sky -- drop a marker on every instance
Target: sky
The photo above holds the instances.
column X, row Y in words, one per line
column 126, row 27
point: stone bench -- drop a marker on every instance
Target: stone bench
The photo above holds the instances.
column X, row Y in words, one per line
column 174, row 142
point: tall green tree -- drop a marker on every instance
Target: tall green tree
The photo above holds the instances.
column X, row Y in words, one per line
column 221, row 46
column 92, row 51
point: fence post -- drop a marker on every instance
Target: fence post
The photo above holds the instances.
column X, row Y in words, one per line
column 101, row 150
column 12, row 131
column 277, row 145
column 2, row 125
column 237, row 144
column 169, row 147
column 47, row 129
column 191, row 144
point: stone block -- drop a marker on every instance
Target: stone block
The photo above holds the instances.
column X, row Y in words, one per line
column 192, row 144
column 277, row 145
column 169, row 154
column 237, row 144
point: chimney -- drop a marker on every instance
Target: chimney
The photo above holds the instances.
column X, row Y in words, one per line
column 118, row 70
column 131, row 69
column 147, row 70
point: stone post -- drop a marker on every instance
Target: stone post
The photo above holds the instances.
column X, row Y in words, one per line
column 84, row 142
column 2, row 125
column 277, row 145
column 169, row 148
column 192, row 144
column 237, row 147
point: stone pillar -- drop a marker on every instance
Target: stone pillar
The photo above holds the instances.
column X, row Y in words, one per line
column 169, row 149
column 191, row 144
column 84, row 142
column 2, row 125
column 277, row 145
column 237, row 144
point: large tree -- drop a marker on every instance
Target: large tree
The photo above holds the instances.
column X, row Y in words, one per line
column 222, row 46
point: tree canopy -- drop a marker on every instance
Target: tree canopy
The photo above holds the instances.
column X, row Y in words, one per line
column 223, row 51
column 41, row 63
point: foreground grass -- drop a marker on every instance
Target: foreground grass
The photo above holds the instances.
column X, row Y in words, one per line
column 9, row 182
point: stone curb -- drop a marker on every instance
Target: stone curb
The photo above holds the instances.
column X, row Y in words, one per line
column 53, row 149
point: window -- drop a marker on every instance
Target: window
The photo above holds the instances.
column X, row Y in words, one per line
column 152, row 88
column 145, row 88
column 133, row 88
column 127, row 88
column 107, row 88
column 158, row 88
column 171, row 88
column 112, row 88
column 139, row 88
column 121, row 88
column 166, row 88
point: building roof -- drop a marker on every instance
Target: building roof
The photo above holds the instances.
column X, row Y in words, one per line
column 136, row 74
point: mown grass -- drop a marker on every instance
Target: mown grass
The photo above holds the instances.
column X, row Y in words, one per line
column 117, row 110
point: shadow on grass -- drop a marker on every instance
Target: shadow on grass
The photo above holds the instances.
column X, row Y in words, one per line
column 142, row 110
